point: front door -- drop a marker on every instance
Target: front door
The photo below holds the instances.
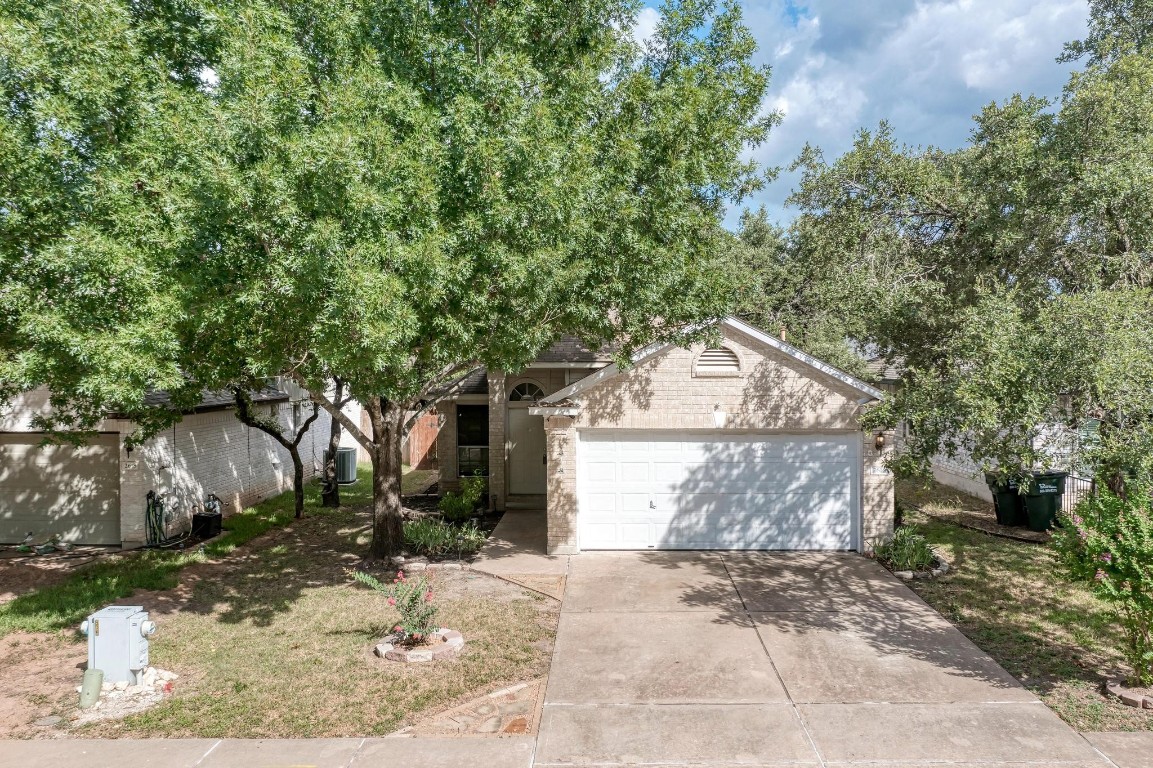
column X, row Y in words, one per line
column 526, row 453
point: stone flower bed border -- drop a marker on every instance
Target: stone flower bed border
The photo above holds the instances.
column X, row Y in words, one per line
column 1127, row 697
column 940, row 569
column 453, row 642
column 422, row 565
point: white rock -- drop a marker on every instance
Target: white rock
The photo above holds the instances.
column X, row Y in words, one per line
column 123, row 684
column 106, row 687
column 79, row 688
column 165, row 675
column 148, row 679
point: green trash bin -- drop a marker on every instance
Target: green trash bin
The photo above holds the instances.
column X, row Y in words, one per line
column 1007, row 501
column 1043, row 499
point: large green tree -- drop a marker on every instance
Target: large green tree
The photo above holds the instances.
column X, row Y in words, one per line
column 1018, row 268
column 396, row 192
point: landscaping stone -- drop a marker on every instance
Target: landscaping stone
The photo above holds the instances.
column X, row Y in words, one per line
column 512, row 710
column 1128, row 697
column 119, row 700
column 452, row 642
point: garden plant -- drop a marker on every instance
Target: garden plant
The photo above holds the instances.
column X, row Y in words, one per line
column 412, row 599
column 1107, row 543
column 460, row 506
column 908, row 550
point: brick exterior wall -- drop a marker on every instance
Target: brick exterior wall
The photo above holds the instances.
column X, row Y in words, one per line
column 204, row 453
column 773, row 393
column 446, row 449
column 497, row 439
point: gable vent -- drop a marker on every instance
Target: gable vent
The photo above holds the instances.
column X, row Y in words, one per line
column 720, row 360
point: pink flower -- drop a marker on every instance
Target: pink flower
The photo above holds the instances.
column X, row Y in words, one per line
column 1107, row 557
column 428, row 597
column 1100, row 575
column 391, row 601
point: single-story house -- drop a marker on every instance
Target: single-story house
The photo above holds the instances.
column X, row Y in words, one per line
column 752, row 444
column 95, row 494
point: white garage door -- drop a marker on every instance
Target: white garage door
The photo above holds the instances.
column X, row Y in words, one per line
column 682, row 491
column 62, row 489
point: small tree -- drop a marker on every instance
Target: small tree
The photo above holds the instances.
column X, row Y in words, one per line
column 1107, row 543
column 330, row 488
column 273, row 428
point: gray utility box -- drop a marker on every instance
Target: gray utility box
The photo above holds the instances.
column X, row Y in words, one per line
column 118, row 642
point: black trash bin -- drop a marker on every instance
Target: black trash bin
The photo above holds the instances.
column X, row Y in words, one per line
column 1043, row 499
column 1007, row 501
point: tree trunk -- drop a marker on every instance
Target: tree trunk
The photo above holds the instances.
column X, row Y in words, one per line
column 387, row 425
column 330, row 493
column 245, row 413
column 297, row 480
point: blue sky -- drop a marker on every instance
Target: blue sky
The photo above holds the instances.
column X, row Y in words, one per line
column 927, row 66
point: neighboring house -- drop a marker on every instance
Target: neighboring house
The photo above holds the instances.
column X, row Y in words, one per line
column 749, row 445
column 1063, row 445
column 96, row 493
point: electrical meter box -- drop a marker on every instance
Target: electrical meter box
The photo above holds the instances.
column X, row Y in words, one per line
column 118, row 642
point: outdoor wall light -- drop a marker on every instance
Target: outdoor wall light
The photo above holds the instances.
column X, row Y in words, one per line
column 719, row 416
column 879, row 441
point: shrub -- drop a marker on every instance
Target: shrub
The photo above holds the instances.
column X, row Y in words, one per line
column 907, row 551
column 436, row 538
column 1107, row 543
column 459, row 506
column 412, row 599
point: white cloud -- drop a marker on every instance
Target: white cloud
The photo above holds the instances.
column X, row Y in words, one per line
column 925, row 65
column 646, row 25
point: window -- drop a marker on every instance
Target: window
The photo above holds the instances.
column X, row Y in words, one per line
column 471, row 440
column 525, row 391
column 721, row 361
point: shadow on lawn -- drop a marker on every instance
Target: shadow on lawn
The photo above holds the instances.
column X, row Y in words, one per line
column 254, row 582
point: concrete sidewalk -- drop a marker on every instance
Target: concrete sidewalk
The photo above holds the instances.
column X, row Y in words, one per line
column 515, row 752
column 517, row 548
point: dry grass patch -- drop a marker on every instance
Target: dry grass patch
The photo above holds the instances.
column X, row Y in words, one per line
column 280, row 646
column 1008, row 598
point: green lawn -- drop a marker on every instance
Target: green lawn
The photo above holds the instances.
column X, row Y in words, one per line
column 1008, row 598
column 66, row 604
column 273, row 639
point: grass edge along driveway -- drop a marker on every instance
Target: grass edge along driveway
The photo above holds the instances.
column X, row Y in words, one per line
column 1009, row 598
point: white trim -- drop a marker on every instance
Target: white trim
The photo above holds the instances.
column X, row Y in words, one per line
column 537, row 410
column 742, row 327
column 797, row 354
column 590, row 365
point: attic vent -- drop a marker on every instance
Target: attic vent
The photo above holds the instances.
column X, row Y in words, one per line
column 718, row 362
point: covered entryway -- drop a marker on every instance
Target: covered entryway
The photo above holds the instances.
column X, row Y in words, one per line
column 526, row 443
column 72, row 491
column 669, row 490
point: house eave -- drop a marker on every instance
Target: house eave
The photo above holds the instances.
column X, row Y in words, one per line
column 872, row 393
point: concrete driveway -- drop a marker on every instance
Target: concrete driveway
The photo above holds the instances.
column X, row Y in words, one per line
column 775, row 659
